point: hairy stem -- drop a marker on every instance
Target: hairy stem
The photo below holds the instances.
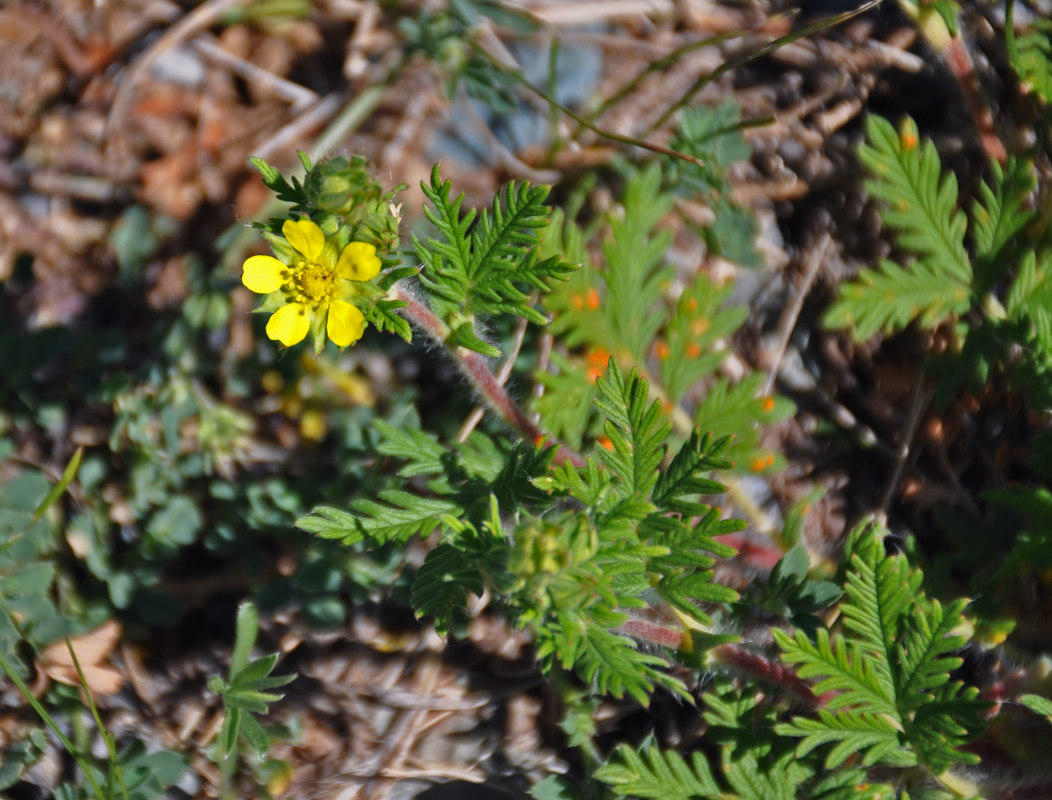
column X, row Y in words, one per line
column 477, row 370
column 729, row 656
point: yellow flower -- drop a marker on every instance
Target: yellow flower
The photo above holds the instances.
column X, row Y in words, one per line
column 312, row 285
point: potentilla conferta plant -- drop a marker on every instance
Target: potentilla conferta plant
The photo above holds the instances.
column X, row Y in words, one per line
column 592, row 522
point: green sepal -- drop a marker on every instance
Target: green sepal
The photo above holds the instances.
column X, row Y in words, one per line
column 272, row 302
column 385, row 280
column 317, row 335
column 464, row 336
column 271, row 176
column 283, row 251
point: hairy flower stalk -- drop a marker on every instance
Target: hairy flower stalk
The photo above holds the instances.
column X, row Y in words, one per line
column 475, row 367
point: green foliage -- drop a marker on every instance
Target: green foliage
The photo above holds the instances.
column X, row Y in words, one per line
column 886, row 702
column 892, row 699
column 714, row 135
column 1038, row 704
column 636, row 279
column 289, row 191
column 28, row 613
column 486, row 267
column 754, row 763
column 27, row 543
column 738, row 410
column 1029, row 301
column 568, row 550
column 636, row 430
column 445, row 37
column 650, row 772
column 788, row 593
column 246, row 694
column 1031, row 54
column 699, row 321
column 621, row 308
column 999, row 307
column 921, row 206
column 998, row 216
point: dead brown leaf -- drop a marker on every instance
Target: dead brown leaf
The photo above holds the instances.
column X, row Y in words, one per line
column 93, row 650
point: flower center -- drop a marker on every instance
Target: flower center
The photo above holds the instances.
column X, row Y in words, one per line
column 314, row 283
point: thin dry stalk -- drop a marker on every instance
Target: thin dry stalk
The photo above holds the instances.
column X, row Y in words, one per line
column 791, row 311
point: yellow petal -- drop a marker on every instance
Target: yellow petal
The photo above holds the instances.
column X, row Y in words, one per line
column 263, row 274
column 346, row 323
column 358, row 262
column 289, row 324
column 305, row 236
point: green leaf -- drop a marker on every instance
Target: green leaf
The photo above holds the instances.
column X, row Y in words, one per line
column 920, row 203
column 698, row 322
column 637, row 430
column 442, row 583
column 585, row 484
column 17, row 757
column 658, row 774
column 873, row 736
column 245, row 636
column 463, row 335
column 635, row 278
column 56, row 491
column 1029, row 301
column 611, row 663
column 381, row 315
column 254, row 734
column 271, row 175
column 1038, row 704
column 1031, row 55
column 422, row 452
column 684, row 476
column 714, row 135
column 176, row 523
column 739, row 412
column 229, row 732
column 292, row 193
column 843, row 668
column 894, row 702
column 889, row 298
column 998, row 215
column 554, row 787
column 488, row 266
column 921, row 206
column 566, row 405
column 400, row 516
column 248, row 675
column 849, row 784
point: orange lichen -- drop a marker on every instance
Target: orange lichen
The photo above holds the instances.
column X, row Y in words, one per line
column 596, row 361
column 760, row 463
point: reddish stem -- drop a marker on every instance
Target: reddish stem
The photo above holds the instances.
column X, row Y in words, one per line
column 768, row 670
column 733, row 656
column 474, row 366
